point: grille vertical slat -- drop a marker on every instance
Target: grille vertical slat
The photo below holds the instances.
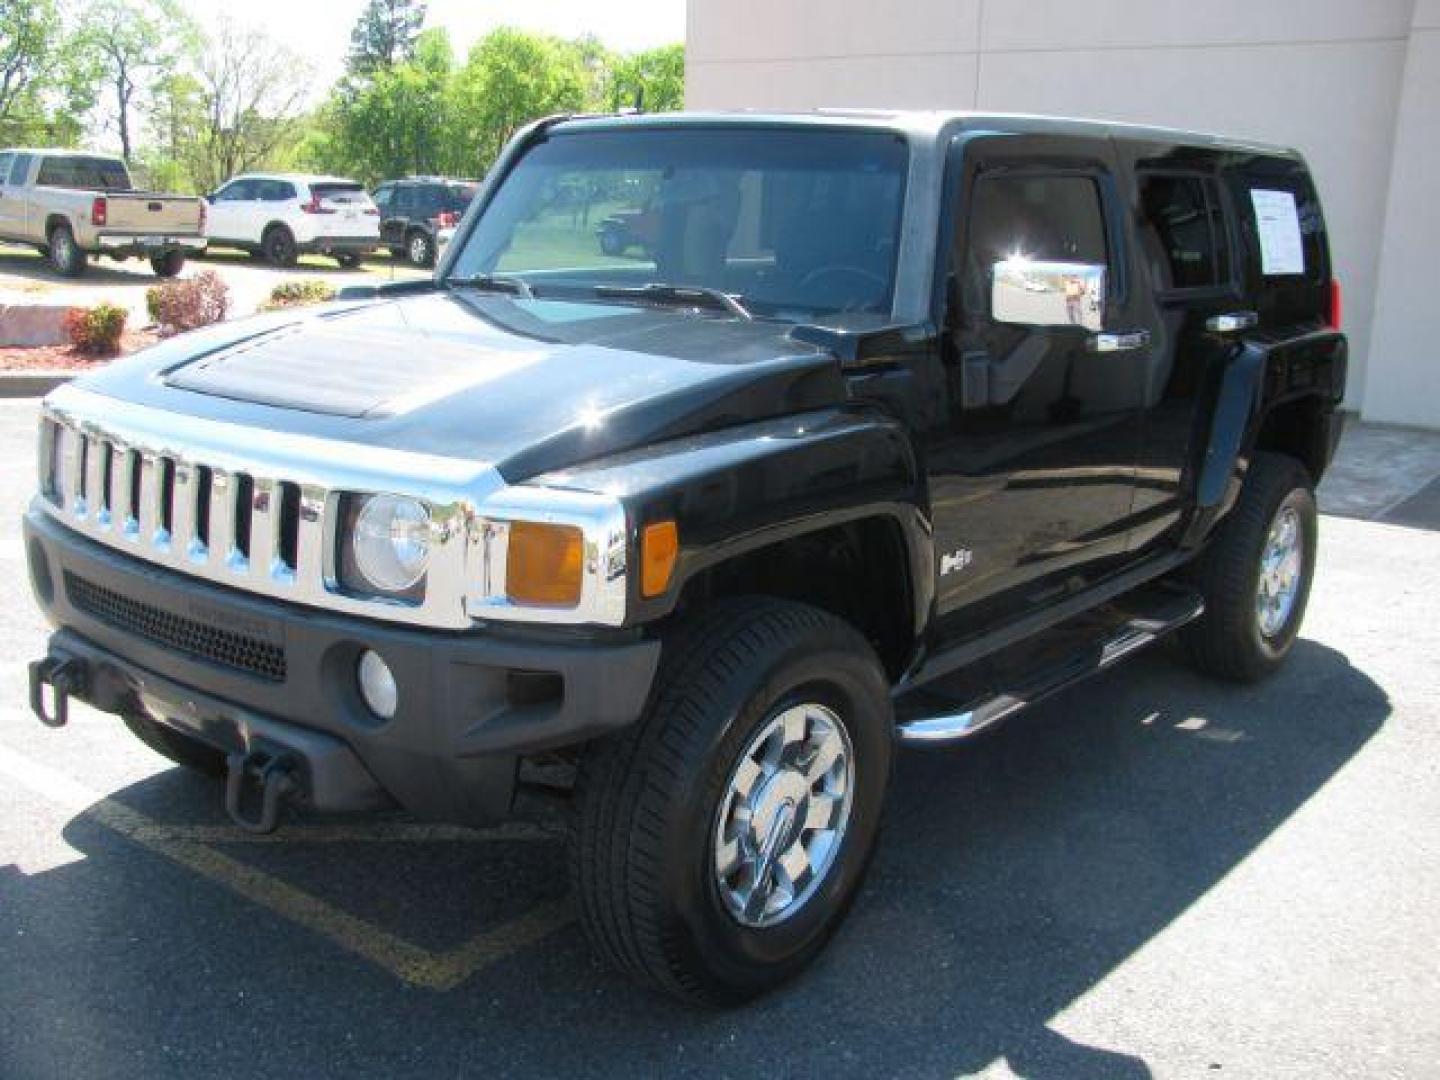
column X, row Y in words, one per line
column 70, row 467
column 182, row 508
column 264, row 525
column 122, row 472
column 95, row 478
column 310, row 534
column 147, row 513
column 222, row 516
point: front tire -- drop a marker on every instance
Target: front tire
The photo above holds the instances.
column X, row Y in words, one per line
column 722, row 838
column 347, row 260
column 65, row 255
column 1255, row 575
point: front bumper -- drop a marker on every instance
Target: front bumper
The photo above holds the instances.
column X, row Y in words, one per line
column 235, row 670
column 135, row 244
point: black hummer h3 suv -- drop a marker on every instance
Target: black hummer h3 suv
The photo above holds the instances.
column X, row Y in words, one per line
column 906, row 421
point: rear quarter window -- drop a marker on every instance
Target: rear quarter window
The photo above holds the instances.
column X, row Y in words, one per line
column 1186, row 222
column 1287, row 297
column 339, row 192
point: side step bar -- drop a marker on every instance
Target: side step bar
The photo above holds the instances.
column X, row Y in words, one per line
column 978, row 715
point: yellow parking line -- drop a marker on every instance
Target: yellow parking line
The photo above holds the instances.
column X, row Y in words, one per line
column 413, row 963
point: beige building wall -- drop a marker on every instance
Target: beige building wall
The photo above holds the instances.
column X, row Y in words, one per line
column 1325, row 76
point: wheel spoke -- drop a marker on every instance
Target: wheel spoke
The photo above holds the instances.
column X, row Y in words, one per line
column 746, row 774
column 823, row 759
column 727, row 857
column 821, row 811
column 795, row 863
column 793, row 726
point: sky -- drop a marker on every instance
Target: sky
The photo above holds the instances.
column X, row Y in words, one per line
column 321, row 31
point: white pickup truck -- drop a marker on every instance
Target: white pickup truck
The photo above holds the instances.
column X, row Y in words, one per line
column 72, row 205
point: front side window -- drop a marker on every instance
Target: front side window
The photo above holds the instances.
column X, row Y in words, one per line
column 1015, row 219
column 239, row 191
column 1185, row 216
column 795, row 223
column 20, row 169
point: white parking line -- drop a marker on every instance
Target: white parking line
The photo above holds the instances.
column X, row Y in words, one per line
column 188, row 846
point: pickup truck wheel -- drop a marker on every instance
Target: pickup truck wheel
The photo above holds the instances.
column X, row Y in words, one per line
column 168, row 265
column 65, row 255
column 348, row 260
column 179, row 748
column 278, row 246
column 1255, row 575
column 720, row 840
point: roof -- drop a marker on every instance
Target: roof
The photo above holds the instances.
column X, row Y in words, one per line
column 294, row 177
column 931, row 122
column 50, row 151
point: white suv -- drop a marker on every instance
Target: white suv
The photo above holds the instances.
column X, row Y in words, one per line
column 282, row 215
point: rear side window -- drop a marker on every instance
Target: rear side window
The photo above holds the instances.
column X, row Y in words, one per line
column 5, row 159
column 339, row 193
column 458, row 196
column 1188, row 226
column 85, row 173
column 19, row 170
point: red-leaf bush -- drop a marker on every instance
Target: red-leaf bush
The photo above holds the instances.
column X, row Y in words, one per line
column 187, row 303
column 96, row 330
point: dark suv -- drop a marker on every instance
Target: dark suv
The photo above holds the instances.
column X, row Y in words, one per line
column 417, row 214
column 906, row 421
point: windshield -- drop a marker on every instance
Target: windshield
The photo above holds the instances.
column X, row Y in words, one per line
column 794, row 223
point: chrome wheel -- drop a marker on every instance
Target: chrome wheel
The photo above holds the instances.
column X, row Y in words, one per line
column 1282, row 567
column 419, row 250
column 783, row 816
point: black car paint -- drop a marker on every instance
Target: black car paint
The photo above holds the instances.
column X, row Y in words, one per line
column 748, row 433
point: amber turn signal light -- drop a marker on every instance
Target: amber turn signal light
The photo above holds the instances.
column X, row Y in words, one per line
column 659, row 545
column 543, row 564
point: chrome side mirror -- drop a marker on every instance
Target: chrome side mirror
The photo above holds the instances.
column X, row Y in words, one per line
column 1027, row 292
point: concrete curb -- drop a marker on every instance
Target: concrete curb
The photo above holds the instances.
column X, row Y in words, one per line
column 25, row 384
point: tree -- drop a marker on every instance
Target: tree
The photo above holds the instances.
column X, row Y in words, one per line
column 396, row 121
column 134, row 41
column 384, row 35
column 655, row 78
column 509, row 79
column 45, row 81
column 252, row 92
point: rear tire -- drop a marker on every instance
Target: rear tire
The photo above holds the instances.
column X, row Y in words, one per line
column 168, row 265
column 278, row 245
column 181, row 749
column 66, row 258
column 1256, row 584
column 763, row 756
column 348, row 260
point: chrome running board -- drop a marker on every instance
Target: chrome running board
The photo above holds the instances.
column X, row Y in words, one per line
column 942, row 728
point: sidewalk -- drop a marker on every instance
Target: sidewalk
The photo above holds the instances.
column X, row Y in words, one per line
column 1384, row 473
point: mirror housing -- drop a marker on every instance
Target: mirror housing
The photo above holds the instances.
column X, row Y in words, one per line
column 1030, row 292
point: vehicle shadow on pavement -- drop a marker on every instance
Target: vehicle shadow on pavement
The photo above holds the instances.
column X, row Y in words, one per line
column 98, row 272
column 1013, row 876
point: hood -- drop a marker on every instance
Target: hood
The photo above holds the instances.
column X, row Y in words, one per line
column 528, row 386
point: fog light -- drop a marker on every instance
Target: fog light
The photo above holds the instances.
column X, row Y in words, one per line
column 377, row 685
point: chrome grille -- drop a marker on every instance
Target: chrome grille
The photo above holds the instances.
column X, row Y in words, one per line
column 248, row 508
column 188, row 515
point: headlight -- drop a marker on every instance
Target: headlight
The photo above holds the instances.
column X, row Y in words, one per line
column 388, row 547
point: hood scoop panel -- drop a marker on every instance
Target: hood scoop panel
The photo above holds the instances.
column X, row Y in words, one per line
column 319, row 368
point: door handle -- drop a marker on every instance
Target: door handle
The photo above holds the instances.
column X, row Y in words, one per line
column 1120, row 342
column 1231, row 321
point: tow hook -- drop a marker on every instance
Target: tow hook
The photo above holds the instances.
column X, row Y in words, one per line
column 66, row 677
column 274, row 777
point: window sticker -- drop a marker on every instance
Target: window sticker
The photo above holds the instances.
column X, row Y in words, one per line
column 1278, row 223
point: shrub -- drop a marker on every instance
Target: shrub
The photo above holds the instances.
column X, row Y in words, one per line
column 298, row 293
column 152, row 304
column 186, row 303
column 96, row 330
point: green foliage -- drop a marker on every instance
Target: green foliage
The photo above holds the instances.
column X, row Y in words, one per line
column 47, row 80
column 297, row 294
column 384, row 35
column 655, row 77
column 96, row 330
column 187, row 303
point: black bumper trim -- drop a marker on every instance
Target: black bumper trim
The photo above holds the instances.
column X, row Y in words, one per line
column 461, row 722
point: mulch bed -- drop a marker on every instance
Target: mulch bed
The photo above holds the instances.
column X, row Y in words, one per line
column 67, row 357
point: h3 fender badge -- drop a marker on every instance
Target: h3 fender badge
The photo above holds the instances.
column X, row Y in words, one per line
column 958, row 559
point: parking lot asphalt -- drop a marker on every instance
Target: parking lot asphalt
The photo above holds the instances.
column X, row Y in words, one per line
column 26, row 278
column 1150, row 875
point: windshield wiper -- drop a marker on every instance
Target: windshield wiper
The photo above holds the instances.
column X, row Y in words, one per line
column 495, row 283
column 677, row 295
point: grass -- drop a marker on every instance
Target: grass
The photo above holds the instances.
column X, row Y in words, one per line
column 562, row 239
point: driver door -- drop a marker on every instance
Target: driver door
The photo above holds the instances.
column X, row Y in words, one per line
column 1032, row 473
